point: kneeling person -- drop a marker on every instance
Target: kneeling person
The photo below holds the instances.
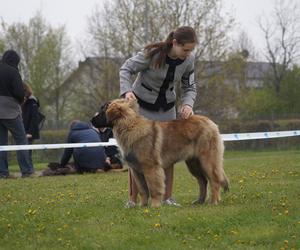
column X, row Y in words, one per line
column 87, row 159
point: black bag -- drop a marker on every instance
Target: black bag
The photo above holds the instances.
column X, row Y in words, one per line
column 41, row 119
column 40, row 116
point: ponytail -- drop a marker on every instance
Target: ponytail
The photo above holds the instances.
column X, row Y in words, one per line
column 161, row 48
column 182, row 35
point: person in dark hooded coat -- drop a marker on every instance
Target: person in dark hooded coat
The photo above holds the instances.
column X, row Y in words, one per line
column 30, row 115
column 11, row 98
column 86, row 159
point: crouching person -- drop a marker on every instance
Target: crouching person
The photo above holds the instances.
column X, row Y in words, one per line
column 87, row 159
column 112, row 152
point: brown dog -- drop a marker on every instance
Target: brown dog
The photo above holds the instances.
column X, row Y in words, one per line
column 149, row 146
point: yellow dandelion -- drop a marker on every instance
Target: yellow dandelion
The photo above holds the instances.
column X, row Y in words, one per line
column 146, row 211
column 157, row 225
column 286, row 242
column 286, row 211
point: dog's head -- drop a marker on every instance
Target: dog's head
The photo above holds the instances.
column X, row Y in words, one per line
column 113, row 111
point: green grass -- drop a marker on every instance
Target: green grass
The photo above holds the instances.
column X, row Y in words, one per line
column 261, row 211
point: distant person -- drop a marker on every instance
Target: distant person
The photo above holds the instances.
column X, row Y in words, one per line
column 30, row 115
column 86, row 159
column 11, row 97
column 112, row 152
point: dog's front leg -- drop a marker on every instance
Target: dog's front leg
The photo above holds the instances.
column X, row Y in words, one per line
column 155, row 178
column 142, row 186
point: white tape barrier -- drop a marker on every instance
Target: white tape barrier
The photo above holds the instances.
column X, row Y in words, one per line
column 113, row 142
column 259, row 135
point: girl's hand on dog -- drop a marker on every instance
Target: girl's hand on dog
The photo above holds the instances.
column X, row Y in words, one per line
column 186, row 111
column 130, row 96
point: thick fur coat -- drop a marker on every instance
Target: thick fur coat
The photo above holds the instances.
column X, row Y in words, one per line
column 150, row 146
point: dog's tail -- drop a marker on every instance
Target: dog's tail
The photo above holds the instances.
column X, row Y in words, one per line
column 219, row 153
column 225, row 182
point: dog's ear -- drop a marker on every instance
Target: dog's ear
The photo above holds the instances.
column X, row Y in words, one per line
column 114, row 112
column 133, row 104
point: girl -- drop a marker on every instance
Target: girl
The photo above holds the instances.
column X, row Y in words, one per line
column 159, row 66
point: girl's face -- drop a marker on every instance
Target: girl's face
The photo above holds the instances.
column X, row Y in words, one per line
column 182, row 51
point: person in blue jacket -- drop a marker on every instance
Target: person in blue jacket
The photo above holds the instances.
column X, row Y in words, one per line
column 87, row 159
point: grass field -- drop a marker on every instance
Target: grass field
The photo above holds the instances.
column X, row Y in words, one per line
column 261, row 211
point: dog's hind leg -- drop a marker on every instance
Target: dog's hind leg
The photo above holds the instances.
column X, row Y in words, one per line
column 142, row 186
column 195, row 168
column 155, row 178
column 215, row 176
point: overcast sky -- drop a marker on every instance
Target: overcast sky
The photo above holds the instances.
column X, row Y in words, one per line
column 73, row 14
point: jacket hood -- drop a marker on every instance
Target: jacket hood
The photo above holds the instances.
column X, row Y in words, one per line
column 79, row 125
column 33, row 99
column 11, row 58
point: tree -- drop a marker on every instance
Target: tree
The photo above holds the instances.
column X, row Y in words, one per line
column 244, row 45
column 282, row 37
column 118, row 30
column 290, row 92
column 45, row 62
column 123, row 27
column 95, row 80
column 223, row 85
column 2, row 45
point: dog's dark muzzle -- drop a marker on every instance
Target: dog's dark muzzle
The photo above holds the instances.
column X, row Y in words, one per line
column 100, row 120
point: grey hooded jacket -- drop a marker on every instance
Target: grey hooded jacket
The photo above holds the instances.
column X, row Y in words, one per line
column 154, row 87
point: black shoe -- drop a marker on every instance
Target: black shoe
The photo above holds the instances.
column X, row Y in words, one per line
column 29, row 175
